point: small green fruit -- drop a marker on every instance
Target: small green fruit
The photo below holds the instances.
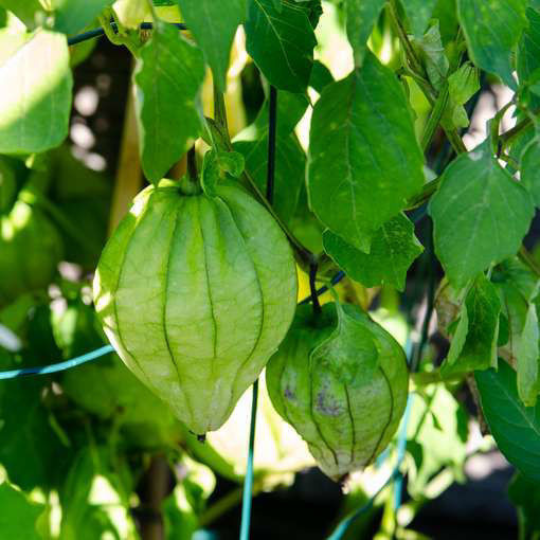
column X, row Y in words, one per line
column 341, row 381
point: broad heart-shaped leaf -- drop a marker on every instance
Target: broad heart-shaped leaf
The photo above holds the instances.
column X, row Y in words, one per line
column 480, row 215
column 35, row 95
column 528, row 359
column 419, row 12
column 168, row 81
column 361, row 18
column 289, row 172
column 364, row 159
column 515, row 428
column 475, row 342
column 214, row 24
column 351, row 350
column 281, row 43
column 19, row 515
column 530, row 169
column 393, row 250
column 72, row 16
column 492, row 28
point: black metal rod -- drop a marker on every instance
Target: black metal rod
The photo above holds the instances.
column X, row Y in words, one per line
column 98, row 32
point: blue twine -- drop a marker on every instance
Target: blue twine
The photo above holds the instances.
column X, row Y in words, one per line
column 61, row 366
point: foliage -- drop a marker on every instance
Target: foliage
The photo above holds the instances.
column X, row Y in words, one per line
column 355, row 163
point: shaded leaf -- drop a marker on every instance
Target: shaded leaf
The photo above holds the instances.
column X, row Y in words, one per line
column 168, row 81
column 419, row 13
column 528, row 358
column 19, row 515
column 281, row 43
column 25, row 10
column 361, row 18
column 364, row 159
column 393, row 250
column 526, row 496
column 528, row 59
column 214, row 24
column 71, row 16
column 437, row 437
column 480, row 215
column 35, row 95
column 530, row 169
column 516, row 428
column 492, row 28
column 475, row 343
column 289, row 171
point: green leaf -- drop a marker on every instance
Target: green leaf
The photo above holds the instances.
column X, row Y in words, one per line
column 214, row 24
column 364, row 159
column 353, row 339
column 393, row 250
column 361, row 18
column 431, row 51
column 25, row 10
column 480, row 215
column 530, row 169
column 19, row 515
column 71, row 16
column 419, row 13
column 492, row 28
column 528, row 60
column 183, row 508
column 528, row 358
column 35, row 98
column 168, row 81
column 475, row 343
column 526, row 496
column 321, row 77
column 437, row 434
column 463, row 84
column 25, row 420
column 515, row 428
column 94, row 497
column 216, row 165
column 289, row 171
column 281, row 43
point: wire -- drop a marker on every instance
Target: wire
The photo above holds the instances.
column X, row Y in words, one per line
column 98, row 32
column 248, row 479
column 61, row 366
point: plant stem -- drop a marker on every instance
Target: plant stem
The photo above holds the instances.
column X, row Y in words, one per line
column 192, row 164
column 304, row 255
column 435, row 118
column 527, row 258
column 272, row 131
column 313, row 268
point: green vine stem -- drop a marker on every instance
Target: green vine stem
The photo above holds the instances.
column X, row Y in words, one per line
column 304, row 256
column 452, row 134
